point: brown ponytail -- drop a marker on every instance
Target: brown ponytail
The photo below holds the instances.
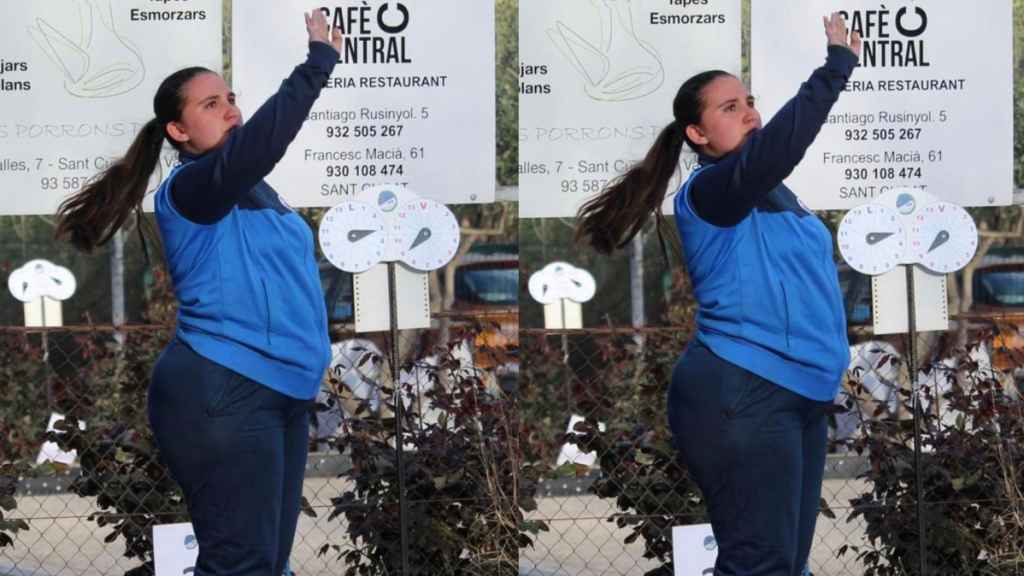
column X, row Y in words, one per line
column 612, row 218
column 91, row 216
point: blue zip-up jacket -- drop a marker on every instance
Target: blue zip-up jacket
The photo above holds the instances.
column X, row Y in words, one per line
column 242, row 263
column 762, row 269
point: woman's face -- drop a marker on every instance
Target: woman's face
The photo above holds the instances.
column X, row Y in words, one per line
column 208, row 115
column 728, row 118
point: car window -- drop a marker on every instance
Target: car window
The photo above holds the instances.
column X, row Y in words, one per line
column 1004, row 288
column 493, row 286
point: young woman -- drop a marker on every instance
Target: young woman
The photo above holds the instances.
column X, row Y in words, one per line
column 747, row 396
column 229, row 396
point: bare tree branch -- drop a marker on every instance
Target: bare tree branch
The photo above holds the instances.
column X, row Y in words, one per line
column 1015, row 232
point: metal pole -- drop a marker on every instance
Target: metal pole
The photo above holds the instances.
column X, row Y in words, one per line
column 916, row 393
column 636, row 283
column 117, row 312
column 396, row 375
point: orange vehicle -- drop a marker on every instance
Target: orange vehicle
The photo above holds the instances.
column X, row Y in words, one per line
column 999, row 298
column 487, row 290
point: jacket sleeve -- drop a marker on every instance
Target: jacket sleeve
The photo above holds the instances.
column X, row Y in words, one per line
column 727, row 191
column 207, row 188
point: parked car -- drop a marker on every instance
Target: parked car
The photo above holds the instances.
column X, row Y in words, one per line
column 483, row 284
column 999, row 288
column 487, row 287
column 998, row 291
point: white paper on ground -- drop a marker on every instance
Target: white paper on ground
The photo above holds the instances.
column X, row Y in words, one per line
column 175, row 549
column 694, row 550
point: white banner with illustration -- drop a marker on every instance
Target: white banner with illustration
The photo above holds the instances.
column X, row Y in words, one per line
column 930, row 105
column 77, row 79
column 597, row 80
column 411, row 100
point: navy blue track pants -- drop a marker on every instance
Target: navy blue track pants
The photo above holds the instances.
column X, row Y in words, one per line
column 238, row 450
column 757, row 452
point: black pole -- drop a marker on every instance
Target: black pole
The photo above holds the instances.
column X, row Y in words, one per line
column 916, row 393
column 396, row 375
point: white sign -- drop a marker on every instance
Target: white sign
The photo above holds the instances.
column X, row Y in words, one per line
column 930, row 74
column 694, row 550
column 41, row 278
column 907, row 225
column 411, row 100
column 561, row 280
column 43, row 312
column 563, row 314
column 596, row 84
column 77, row 81
column 561, row 288
column 890, row 307
column 372, row 303
column 42, row 285
column 175, row 549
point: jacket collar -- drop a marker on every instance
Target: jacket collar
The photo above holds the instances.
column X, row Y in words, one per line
column 705, row 160
column 187, row 156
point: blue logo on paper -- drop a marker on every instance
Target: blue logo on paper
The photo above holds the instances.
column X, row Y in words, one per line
column 710, row 543
column 905, row 203
column 387, row 200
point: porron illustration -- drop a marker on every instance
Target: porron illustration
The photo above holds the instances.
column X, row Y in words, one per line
column 97, row 62
column 620, row 66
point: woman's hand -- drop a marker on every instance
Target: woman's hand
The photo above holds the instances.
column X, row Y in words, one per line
column 316, row 25
column 835, row 30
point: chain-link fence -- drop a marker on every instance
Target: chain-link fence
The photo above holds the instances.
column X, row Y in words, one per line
column 83, row 499
column 481, row 498
column 593, row 411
